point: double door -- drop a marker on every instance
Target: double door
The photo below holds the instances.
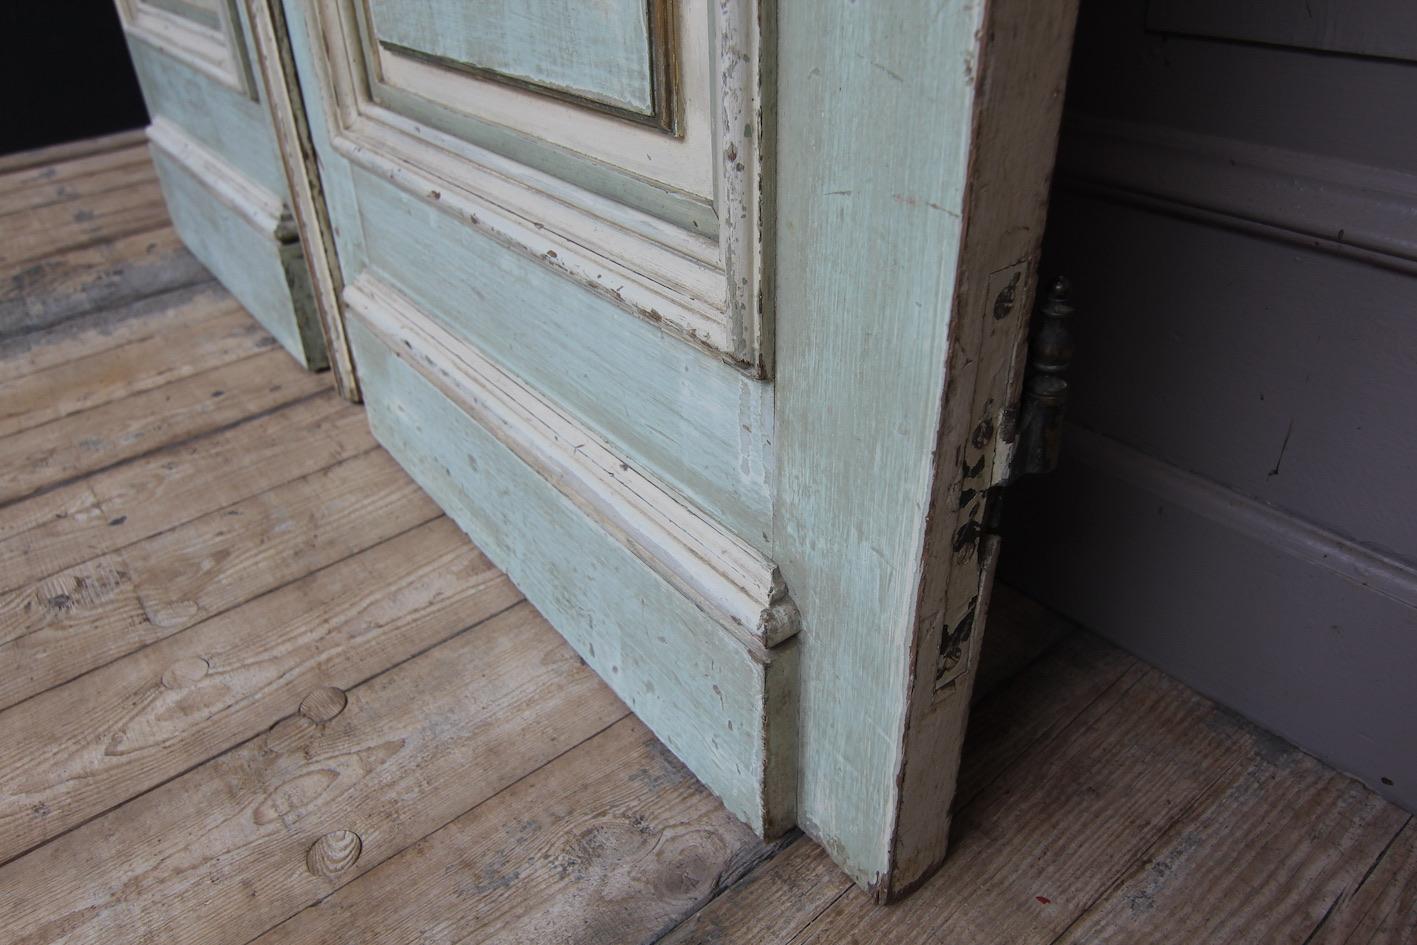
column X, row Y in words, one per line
column 703, row 319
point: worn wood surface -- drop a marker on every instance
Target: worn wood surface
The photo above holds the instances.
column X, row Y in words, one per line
column 79, row 178
column 49, row 631
column 83, row 443
column 39, row 231
column 215, row 336
column 612, row 842
column 330, row 743
column 41, row 159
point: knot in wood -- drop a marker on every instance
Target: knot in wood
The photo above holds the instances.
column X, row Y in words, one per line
column 185, row 672
column 323, row 704
column 334, row 853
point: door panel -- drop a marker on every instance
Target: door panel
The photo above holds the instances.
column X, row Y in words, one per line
column 691, row 420
column 732, row 423
column 216, row 155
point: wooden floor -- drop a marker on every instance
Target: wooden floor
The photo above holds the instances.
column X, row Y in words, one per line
column 255, row 688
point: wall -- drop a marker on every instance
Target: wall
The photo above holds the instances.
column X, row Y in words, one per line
column 66, row 74
column 1236, row 202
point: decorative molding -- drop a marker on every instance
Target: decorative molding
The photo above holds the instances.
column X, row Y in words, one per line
column 1326, row 203
column 1275, row 528
column 641, row 255
column 1380, row 29
column 260, row 208
column 724, row 576
column 217, row 52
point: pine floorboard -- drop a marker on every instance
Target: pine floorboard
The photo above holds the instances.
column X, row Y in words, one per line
column 255, row 688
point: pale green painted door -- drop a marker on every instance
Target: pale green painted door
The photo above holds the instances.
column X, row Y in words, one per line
column 217, row 160
column 701, row 318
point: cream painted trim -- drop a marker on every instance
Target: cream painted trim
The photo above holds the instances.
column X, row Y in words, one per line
column 259, row 207
column 217, row 54
column 724, row 575
column 705, row 290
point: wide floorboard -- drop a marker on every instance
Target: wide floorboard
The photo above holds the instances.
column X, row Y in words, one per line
column 255, row 688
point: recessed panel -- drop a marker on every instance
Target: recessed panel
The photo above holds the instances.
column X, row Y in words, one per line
column 203, row 34
column 601, row 52
column 203, row 12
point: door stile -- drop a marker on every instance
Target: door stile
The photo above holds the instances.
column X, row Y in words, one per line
column 911, row 210
column 281, row 82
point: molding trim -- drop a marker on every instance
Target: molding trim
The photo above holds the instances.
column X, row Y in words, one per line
column 1381, row 574
column 1325, row 203
column 723, row 575
column 263, row 210
column 217, row 52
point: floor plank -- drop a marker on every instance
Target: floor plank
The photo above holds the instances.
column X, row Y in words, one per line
column 219, row 335
column 79, row 749
column 1237, row 871
column 1035, row 707
column 223, row 853
column 1382, row 910
column 66, row 285
column 610, row 844
column 41, row 231
column 49, row 174
column 94, row 613
column 70, row 150
column 161, row 490
column 106, row 329
column 91, row 440
column 1036, row 850
column 73, row 180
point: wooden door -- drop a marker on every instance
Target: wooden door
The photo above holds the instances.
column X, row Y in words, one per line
column 220, row 171
column 703, row 319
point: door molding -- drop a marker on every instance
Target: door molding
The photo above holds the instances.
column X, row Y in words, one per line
column 724, row 576
column 217, row 52
column 692, row 264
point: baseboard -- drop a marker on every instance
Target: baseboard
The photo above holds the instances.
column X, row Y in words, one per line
column 1308, row 634
column 244, row 234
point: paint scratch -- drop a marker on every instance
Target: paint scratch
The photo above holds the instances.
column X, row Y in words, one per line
column 1282, row 447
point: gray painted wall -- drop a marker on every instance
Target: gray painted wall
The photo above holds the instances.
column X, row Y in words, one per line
column 1236, row 203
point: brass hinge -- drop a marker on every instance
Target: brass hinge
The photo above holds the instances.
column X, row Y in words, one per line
column 1043, row 400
